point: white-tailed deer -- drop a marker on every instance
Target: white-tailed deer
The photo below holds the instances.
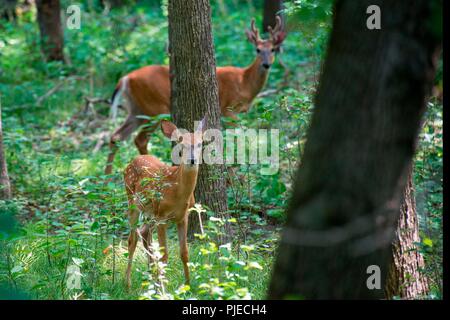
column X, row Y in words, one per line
column 146, row 91
column 163, row 193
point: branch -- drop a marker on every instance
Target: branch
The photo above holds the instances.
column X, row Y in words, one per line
column 49, row 93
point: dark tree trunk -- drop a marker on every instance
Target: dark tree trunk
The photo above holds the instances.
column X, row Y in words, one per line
column 404, row 278
column 271, row 8
column 49, row 19
column 8, row 9
column 369, row 105
column 194, row 90
column 5, row 187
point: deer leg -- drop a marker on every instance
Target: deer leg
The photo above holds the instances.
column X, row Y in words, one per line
column 182, row 238
column 143, row 136
column 121, row 134
column 132, row 241
column 162, row 232
column 147, row 233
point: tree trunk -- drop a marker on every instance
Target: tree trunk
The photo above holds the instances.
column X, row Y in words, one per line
column 271, row 9
column 194, row 91
column 5, row 187
column 404, row 278
column 369, row 106
column 49, row 19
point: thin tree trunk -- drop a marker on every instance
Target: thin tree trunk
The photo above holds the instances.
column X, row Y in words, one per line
column 194, row 91
column 49, row 19
column 5, row 186
column 405, row 280
column 369, row 106
column 271, row 9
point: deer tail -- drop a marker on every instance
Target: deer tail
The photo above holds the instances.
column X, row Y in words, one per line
column 117, row 96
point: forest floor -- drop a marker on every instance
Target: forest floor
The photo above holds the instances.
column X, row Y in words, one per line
column 57, row 146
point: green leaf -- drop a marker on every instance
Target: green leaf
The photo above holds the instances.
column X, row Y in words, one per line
column 254, row 265
column 428, row 242
column 276, row 213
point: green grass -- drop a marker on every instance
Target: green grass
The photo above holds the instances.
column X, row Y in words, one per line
column 47, row 280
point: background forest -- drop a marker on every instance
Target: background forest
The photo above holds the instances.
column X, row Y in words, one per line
column 56, row 128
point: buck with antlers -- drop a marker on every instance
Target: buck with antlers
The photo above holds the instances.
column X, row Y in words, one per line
column 146, row 91
column 163, row 193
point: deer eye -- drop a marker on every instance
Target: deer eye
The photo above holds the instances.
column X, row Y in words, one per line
column 273, row 50
column 258, row 50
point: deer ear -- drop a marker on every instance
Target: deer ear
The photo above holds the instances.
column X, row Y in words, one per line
column 168, row 128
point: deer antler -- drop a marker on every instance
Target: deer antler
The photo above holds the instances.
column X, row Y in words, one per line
column 253, row 34
column 255, row 30
column 273, row 32
column 276, row 34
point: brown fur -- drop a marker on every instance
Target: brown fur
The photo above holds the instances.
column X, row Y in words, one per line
column 149, row 88
column 163, row 193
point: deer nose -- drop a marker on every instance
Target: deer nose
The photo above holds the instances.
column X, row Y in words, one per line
column 266, row 65
column 192, row 161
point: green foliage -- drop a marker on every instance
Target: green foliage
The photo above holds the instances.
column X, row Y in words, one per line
column 429, row 192
column 310, row 11
column 218, row 271
column 56, row 147
column 312, row 18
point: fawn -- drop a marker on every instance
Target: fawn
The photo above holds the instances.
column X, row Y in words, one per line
column 163, row 193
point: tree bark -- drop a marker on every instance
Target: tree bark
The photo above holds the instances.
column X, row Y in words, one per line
column 49, row 19
column 5, row 186
column 271, row 8
column 405, row 279
column 194, row 91
column 369, row 106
